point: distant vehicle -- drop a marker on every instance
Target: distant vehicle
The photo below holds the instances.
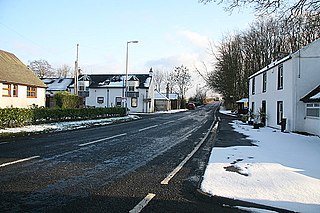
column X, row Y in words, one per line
column 191, row 106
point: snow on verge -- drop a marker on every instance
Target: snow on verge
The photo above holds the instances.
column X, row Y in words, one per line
column 281, row 171
column 68, row 125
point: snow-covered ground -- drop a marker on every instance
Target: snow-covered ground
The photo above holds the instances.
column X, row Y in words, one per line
column 68, row 125
column 61, row 126
column 281, row 171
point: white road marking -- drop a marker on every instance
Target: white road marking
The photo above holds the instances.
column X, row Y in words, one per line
column 177, row 169
column 18, row 161
column 3, row 143
column 169, row 122
column 103, row 139
column 143, row 203
column 149, row 127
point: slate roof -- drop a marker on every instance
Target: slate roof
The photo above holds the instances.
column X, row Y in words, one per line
column 159, row 96
column 58, row 84
column 12, row 70
column 117, row 80
column 312, row 96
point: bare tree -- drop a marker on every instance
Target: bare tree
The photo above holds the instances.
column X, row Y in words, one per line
column 181, row 79
column 41, row 68
column 241, row 54
column 281, row 7
column 64, row 71
column 159, row 79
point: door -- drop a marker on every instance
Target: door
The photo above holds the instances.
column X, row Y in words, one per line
column 263, row 112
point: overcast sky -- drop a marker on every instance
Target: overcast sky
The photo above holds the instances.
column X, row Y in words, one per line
column 170, row 32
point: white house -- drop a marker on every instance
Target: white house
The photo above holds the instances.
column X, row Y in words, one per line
column 109, row 91
column 278, row 90
column 19, row 86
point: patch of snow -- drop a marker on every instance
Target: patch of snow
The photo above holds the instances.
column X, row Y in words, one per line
column 147, row 82
column 67, row 125
column 226, row 112
column 281, row 171
column 316, row 96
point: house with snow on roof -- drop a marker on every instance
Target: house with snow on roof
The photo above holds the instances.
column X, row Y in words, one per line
column 161, row 102
column 108, row 90
column 55, row 85
column 287, row 90
column 19, row 86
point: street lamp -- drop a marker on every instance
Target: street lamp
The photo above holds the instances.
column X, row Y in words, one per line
column 126, row 85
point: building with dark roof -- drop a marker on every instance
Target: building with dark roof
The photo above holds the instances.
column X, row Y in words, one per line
column 108, row 90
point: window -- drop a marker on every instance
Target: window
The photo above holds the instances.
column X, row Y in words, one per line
column 251, row 112
column 31, row 92
column 134, row 102
column 280, row 76
column 253, row 85
column 15, row 90
column 131, row 88
column 252, row 107
column 279, row 111
column 6, row 90
column 264, row 82
column 118, row 101
column 100, row 100
column 313, row 110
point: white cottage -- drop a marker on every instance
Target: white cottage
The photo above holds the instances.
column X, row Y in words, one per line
column 19, row 86
column 279, row 89
column 109, row 91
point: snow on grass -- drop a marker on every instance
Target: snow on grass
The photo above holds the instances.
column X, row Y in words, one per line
column 227, row 112
column 67, row 125
column 281, row 171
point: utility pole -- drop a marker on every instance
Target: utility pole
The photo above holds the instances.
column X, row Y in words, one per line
column 76, row 72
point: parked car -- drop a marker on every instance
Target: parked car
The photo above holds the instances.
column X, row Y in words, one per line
column 191, row 106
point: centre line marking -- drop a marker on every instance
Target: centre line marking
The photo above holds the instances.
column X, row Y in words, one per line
column 143, row 203
column 103, row 139
column 149, row 127
column 3, row 143
column 169, row 122
column 18, row 161
column 179, row 167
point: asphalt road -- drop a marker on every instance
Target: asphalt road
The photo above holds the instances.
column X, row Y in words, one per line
column 110, row 168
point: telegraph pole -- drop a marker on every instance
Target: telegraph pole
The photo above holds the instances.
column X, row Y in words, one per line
column 76, row 72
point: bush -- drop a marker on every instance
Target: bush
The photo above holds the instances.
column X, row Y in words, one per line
column 66, row 100
column 15, row 117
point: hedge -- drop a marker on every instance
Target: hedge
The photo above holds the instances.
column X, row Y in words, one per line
column 17, row 117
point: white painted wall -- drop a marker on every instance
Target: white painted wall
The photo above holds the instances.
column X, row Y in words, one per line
column 22, row 101
column 109, row 95
column 312, row 125
column 301, row 74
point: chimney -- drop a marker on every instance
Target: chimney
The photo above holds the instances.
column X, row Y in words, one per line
column 167, row 91
column 150, row 72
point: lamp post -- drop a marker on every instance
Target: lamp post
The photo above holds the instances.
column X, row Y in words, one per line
column 126, row 84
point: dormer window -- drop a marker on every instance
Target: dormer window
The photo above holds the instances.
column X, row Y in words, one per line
column 131, row 89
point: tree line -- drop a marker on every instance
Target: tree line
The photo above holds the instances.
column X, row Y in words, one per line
column 176, row 81
column 43, row 69
column 241, row 54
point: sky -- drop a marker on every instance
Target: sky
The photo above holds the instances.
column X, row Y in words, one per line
column 170, row 33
